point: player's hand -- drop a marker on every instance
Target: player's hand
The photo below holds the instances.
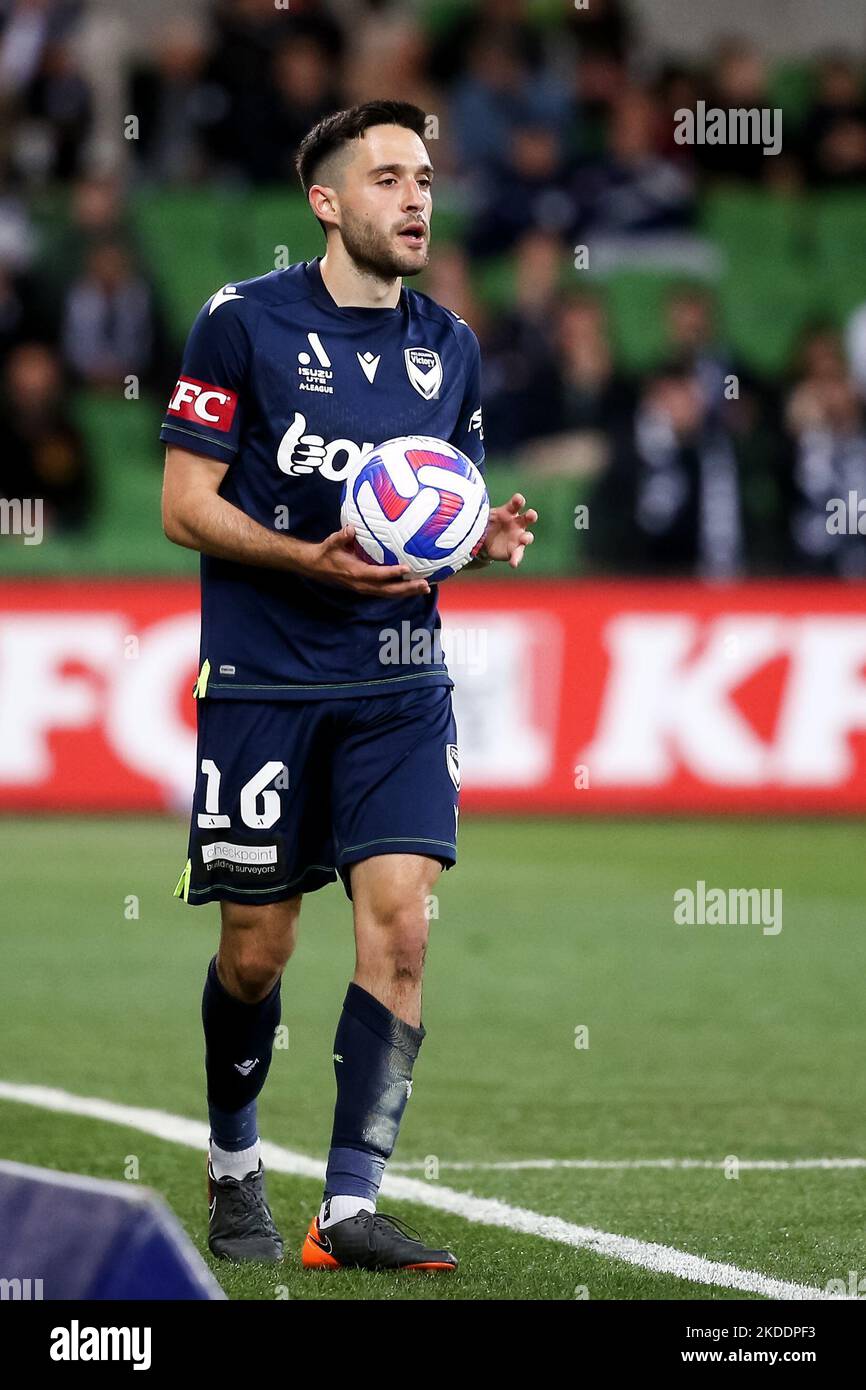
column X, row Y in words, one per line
column 507, row 537
column 335, row 561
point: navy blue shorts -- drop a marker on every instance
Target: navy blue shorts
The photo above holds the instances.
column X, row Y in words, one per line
column 288, row 795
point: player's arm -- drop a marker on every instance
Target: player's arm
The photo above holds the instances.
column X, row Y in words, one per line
column 507, row 534
column 196, row 516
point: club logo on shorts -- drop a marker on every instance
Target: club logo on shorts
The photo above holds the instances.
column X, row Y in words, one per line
column 424, row 369
column 452, row 762
column 203, row 404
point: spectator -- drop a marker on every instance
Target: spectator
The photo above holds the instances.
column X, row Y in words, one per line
column 529, row 191
column 111, row 326
column 241, row 84
column 27, row 27
column 43, row 453
column 395, row 44
column 518, row 378
column 671, row 501
column 23, row 314
column 738, row 79
column 676, row 89
column 826, row 427
column 56, row 119
column 176, row 104
column 592, row 394
column 498, row 96
column 303, row 90
column 449, row 281
column 834, row 136
column 600, row 73
column 502, row 23
column 632, row 191
column 96, row 212
column 693, row 339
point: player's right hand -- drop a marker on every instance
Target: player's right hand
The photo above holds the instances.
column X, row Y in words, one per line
column 336, row 561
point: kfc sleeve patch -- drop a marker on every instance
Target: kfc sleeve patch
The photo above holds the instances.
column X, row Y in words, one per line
column 202, row 403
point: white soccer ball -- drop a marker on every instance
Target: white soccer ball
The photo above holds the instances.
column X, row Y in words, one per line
column 417, row 501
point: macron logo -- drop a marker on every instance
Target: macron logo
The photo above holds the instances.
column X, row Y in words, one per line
column 245, row 1067
column 223, row 296
column 368, row 364
column 203, row 404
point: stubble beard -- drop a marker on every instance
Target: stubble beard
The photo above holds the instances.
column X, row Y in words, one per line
column 373, row 255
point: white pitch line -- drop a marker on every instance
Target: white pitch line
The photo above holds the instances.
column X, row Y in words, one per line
column 767, row 1165
column 483, row 1211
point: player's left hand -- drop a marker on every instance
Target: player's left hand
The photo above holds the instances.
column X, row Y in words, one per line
column 506, row 537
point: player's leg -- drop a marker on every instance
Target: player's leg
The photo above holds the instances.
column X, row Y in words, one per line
column 379, row 1033
column 390, row 895
column 254, row 849
column 240, row 1014
column 393, row 839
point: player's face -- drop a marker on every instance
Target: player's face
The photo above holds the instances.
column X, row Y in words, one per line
column 386, row 203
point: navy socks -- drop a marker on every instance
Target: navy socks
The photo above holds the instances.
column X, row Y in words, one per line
column 239, row 1040
column 374, row 1052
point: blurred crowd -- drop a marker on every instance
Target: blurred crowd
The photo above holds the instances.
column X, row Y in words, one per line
column 552, row 130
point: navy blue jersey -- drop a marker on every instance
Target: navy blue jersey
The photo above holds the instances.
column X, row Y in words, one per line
column 288, row 388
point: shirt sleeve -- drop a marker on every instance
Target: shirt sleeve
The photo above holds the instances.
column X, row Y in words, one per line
column 205, row 413
column 469, row 434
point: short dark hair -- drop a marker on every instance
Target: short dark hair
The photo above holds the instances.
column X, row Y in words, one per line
column 341, row 127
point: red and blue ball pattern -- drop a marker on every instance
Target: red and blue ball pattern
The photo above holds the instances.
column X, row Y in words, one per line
column 417, row 501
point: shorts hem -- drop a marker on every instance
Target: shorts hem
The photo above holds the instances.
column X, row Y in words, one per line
column 314, row 877
column 444, row 850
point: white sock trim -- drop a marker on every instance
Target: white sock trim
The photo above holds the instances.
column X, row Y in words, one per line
column 228, row 1164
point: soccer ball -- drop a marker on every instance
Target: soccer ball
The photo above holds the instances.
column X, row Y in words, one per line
column 419, row 502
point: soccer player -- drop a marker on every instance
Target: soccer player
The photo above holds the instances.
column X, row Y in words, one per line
column 314, row 758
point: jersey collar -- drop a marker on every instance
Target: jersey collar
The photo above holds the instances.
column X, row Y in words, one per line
column 320, row 293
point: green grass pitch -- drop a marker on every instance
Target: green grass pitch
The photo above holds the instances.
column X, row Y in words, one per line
column 703, row 1042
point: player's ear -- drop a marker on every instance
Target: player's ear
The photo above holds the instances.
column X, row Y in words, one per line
column 324, row 202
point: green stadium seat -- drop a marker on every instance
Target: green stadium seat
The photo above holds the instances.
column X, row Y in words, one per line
column 494, row 279
column 192, row 243
column 751, row 225
column 792, row 86
column 840, row 251
column 277, row 219
column 762, row 314
column 123, row 437
column 636, row 307
column 449, row 225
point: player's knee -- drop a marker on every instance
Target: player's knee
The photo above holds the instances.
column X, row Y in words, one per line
column 250, row 972
column 255, row 946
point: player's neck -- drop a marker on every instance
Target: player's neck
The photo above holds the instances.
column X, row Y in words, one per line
column 351, row 288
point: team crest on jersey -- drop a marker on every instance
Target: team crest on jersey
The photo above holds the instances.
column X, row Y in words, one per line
column 452, row 762
column 424, row 369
